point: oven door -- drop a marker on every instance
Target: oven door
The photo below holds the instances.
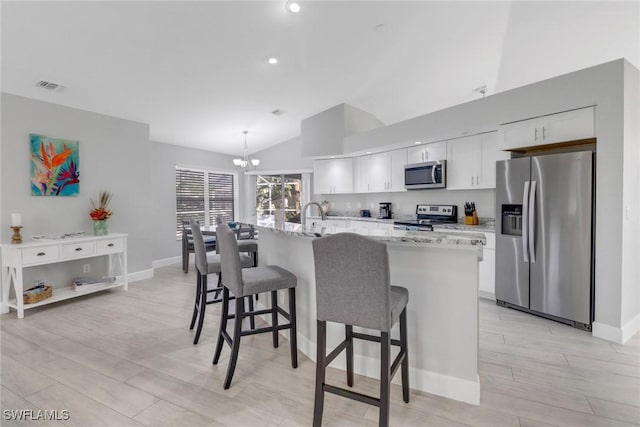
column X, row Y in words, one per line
column 419, row 176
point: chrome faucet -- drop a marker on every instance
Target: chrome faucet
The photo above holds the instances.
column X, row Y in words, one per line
column 303, row 217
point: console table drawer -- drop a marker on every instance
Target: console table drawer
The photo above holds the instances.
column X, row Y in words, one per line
column 109, row 246
column 40, row 255
column 78, row 250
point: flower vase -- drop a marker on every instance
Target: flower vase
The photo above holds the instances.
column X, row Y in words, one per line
column 100, row 227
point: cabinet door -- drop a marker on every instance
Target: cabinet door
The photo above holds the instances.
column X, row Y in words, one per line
column 322, row 183
column 463, row 162
column 569, row 126
column 487, row 274
column 342, row 175
column 489, row 156
column 518, row 135
column 436, row 151
column 379, row 172
column 361, row 174
column 398, row 161
column 416, row 154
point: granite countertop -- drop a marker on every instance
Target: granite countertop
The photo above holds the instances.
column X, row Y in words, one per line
column 487, row 225
column 384, row 234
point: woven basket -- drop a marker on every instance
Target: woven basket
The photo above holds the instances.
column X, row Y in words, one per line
column 30, row 297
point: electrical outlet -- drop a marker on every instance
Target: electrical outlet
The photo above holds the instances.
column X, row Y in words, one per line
column 86, row 268
column 628, row 212
column 348, row 205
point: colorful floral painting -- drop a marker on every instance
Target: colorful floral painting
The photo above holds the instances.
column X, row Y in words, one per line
column 55, row 169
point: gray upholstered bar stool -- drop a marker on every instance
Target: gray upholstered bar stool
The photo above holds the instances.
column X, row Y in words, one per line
column 248, row 282
column 208, row 264
column 249, row 246
column 353, row 287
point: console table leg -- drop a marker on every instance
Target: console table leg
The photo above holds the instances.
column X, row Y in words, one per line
column 6, row 287
column 18, row 286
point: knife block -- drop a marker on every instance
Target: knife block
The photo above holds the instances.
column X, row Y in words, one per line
column 472, row 220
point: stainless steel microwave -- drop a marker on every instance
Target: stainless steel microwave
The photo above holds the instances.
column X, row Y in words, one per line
column 419, row 176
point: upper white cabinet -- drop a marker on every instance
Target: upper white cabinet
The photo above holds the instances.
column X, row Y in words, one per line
column 561, row 127
column 381, row 172
column 471, row 162
column 333, row 176
column 427, row 152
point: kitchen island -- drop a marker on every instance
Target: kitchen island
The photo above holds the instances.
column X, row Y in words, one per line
column 439, row 269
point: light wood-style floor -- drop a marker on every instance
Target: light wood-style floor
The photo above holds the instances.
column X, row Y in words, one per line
column 127, row 358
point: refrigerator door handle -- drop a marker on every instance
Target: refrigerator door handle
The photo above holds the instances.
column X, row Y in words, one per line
column 532, row 222
column 525, row 222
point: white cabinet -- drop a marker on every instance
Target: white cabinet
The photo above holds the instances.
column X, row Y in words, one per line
column 427, row 152
column 333, row 176
column 471, row 162
column 487, row 269
column 380, row 173
column 569, row 126
column 398, row 161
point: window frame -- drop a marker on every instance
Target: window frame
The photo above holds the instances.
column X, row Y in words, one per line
column 206, row 171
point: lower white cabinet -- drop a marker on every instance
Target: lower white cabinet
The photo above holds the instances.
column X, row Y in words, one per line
column 487, row 269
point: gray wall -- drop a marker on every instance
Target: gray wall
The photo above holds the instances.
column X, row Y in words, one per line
column 286, row 155
column 163, row 160
column 113, row 156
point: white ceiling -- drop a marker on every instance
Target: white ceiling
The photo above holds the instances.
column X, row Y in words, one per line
column 196, row 71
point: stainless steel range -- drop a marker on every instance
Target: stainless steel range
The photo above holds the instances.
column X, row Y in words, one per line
column 427, row 216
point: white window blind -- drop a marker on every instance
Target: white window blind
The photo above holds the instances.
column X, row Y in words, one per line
column 201, row 195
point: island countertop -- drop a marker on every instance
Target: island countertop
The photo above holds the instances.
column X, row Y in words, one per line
column 385, row 234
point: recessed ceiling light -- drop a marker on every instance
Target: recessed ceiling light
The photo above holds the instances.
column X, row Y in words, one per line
column 368, row 152
column 417, row 142
column 272, row 60
column 292, row 6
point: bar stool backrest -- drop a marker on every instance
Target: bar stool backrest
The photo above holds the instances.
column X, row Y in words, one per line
column 352, row 281
column 198, row 247
column 230, row 260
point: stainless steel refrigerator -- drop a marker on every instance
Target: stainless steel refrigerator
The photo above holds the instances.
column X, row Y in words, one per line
column 544, row 236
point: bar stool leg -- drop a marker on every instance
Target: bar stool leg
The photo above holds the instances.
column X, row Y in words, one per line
column 385, row 344
column 293, row 331
column 218, row 287
column 224, row 317
column 274, row 317
column 405, row 362
column 349, row 337
column 235, row 345
column 318, row 405
column 197, row 302
column 252, row 318
column 203, row 306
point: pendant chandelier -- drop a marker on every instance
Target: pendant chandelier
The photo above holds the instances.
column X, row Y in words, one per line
column 245, row 163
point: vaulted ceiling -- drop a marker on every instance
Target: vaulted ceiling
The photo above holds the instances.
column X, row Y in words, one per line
column 197, row 71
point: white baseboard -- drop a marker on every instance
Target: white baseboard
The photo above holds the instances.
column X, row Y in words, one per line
column 140, row 275
column 166, row 261
column 487, row 295
column 423, row 380
column 630, row 329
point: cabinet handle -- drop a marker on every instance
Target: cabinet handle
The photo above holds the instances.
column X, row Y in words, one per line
column 477, row 180
column 544, row 132
column 78, row 249
column 41, row 254
column 535, row 137
column 110, row 245
column 472, row 180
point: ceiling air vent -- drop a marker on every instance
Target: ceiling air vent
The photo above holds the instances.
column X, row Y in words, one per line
column 277, row 112
column 48, row 85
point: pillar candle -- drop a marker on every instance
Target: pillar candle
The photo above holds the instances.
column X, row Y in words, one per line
column 16, row 220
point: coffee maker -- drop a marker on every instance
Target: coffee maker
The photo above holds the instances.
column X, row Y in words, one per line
column 385, row 210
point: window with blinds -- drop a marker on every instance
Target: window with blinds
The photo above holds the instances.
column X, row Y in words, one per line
column 202, row 195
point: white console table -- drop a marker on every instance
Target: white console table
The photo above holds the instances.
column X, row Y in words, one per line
column 16, row 257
